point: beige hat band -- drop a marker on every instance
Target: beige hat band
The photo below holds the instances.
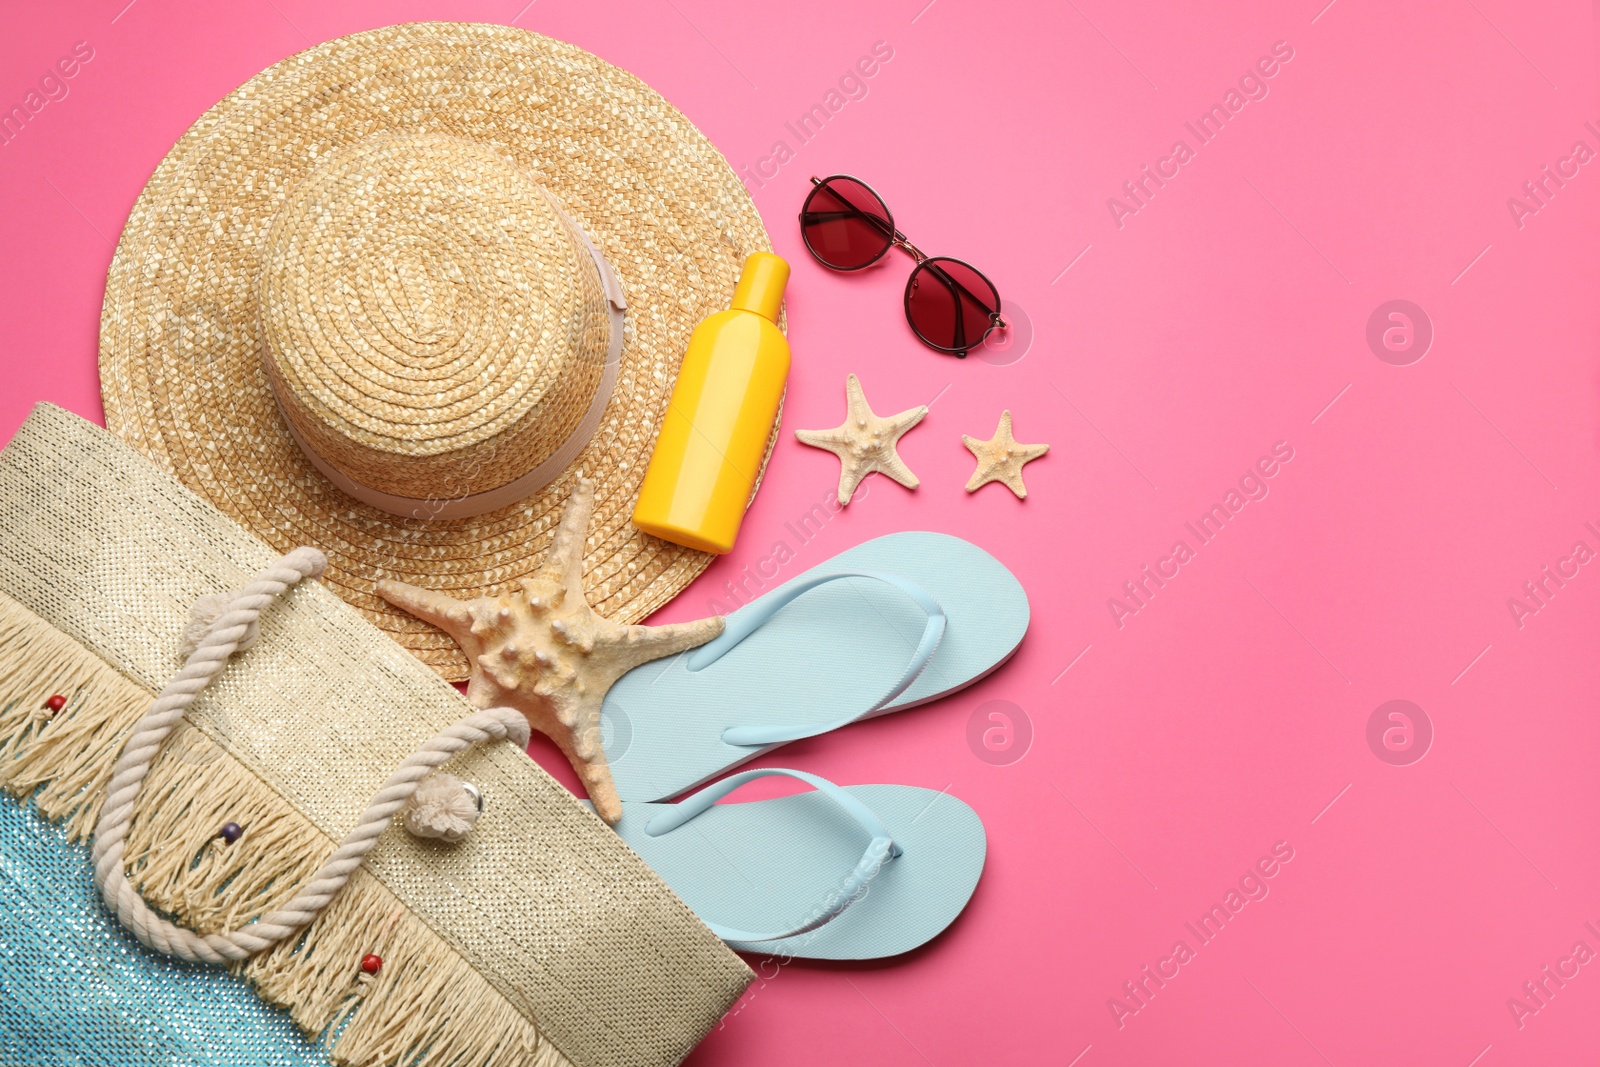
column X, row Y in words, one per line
column 462, row 507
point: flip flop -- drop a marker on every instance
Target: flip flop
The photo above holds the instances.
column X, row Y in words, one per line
column 885, row 626
column 843, row 873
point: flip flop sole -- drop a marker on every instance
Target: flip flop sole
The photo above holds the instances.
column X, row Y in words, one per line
column 839, row 646
column 771, row 864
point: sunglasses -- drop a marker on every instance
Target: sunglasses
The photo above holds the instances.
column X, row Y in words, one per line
column 950, row 305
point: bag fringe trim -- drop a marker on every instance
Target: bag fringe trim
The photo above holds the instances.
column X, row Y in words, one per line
column 426, row 1006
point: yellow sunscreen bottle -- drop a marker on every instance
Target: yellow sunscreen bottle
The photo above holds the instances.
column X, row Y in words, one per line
column 722, row 411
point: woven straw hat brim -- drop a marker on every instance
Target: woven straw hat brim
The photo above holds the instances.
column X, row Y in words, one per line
column 180, row 364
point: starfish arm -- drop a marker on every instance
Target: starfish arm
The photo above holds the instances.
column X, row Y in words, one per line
column 850, row 476
column 1013, row 480
column 564, row 561
column 973, row 444
column 1032, row 452
column 633, row 645
column 572, row 722
column 982, row 476
column 856, row 398
column 905, row 420
column 602, row 790
column 452, row 616
column 588, row 757
column 896, row 468
column 828, row 439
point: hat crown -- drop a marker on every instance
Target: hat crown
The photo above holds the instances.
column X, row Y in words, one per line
column 434, row 325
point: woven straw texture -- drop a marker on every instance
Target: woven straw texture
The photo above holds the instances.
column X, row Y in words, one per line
column 183, row 331
column 540, row 939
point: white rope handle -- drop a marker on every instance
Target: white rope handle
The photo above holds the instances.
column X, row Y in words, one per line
column 202, row 665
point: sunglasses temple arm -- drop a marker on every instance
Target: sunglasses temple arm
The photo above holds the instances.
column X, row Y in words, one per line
column 894, row 235
column 957, row 286
column 961, row 317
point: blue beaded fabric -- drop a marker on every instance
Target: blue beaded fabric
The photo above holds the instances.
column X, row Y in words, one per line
column 76, row 990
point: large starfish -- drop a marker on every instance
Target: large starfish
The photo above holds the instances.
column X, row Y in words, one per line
column 544, row 651
column 1001, row 458
column 865, row 442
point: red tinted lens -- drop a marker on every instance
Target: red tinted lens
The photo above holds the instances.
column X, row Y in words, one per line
column 845, row 225
column 950, row 305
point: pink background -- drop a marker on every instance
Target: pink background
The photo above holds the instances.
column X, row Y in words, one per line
column 1229, row 313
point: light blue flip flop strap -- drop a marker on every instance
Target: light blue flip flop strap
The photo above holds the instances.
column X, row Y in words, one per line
column 880, row 850
column 746, row 622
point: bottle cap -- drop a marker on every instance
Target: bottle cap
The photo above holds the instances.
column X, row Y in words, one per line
column 761, row 285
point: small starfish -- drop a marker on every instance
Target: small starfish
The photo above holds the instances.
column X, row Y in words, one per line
column 865, row 442
column 544, row 651
column 1000, row 458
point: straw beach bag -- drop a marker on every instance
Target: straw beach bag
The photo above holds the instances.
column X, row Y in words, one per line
column 539, row 938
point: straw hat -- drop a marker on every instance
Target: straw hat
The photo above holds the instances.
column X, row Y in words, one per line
column 392, row 295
